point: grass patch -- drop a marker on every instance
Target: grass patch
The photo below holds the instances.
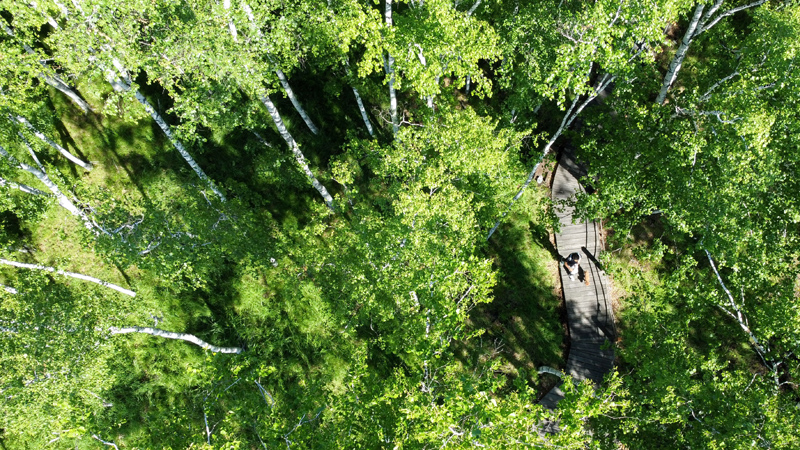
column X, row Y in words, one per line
column 523, row 325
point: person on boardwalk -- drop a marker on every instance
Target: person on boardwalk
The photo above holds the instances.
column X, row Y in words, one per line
column 572, row 263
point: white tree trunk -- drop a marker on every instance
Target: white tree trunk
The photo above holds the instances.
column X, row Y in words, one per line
column 706, row 26
column 737, row 315
column 54, row 81
column 180, row 336
column 298, row 155
column 389, row 63
column 65, row 89
column 69, row 274
column 361, row 108
column 65, row 202
column 698, row 25
column 281, row 77
column 231, row 26
column 474, row 7
column 363, row 111
column 424, row 62
column 22, row 187
column 677, row 61
column 123, row 84
column 295, row 101
column 569, row 117
column 9, row 289
column 110, row 444
column 62, row 150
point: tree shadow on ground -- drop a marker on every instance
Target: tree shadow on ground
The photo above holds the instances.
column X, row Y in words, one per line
column 524, row 316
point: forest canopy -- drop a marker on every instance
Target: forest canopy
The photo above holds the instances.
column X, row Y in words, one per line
column 314, row 224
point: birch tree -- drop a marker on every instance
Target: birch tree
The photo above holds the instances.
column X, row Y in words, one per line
column 298, row 155
column 566, row 121
column 55, row 370
column 556, row 45
column 41, row 175
column 51, row 143
column 389, row 67
column 281, row 77
column 53, row 79
column 172, row 335
column 122, row 83
column 69, row 274
column 698, row 24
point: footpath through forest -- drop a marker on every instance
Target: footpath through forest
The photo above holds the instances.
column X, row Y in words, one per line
column 587, row 298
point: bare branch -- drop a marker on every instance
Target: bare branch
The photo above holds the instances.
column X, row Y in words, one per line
column 111, row 444
column 729, row 13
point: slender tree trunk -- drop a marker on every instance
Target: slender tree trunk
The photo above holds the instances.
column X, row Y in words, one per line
column 361, row 108
column 22, row 187
column 69, row 274
column 295, row 101
column 569, row 117
column 698, row 25
column 677, row 61
column 282, row 78
column 110, row 444
column 123, row 84
column 65, row 202
column 231, row 26
column 172, row 335
column 298, row 155
column 62, row 150
column 363, row 111
column 389, row 63
column 424, row 62
column 54, row 80
column 706, row 26
column 9, row 289
column 65, row 89
column 737, row 315
column 474, row 7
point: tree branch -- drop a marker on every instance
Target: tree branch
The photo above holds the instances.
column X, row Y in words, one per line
column 728, row 13
column 569, row 117
column 111, row 444
column 738, row 316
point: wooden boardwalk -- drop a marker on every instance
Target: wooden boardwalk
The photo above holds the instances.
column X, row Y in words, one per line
column 589, row 314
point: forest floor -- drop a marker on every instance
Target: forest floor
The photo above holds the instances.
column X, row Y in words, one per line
column 525, row 325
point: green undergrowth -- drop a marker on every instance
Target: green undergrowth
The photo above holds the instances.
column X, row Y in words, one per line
column 523, row 324
column 651, row 290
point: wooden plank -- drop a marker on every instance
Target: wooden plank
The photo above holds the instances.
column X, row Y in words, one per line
column 601, row 364
column 583, row 373
column 594, row 359
column 578, row 333
column 575, row 228
column 576, row 244
column 589, row 314
column 601, row 369
column 592, row 347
